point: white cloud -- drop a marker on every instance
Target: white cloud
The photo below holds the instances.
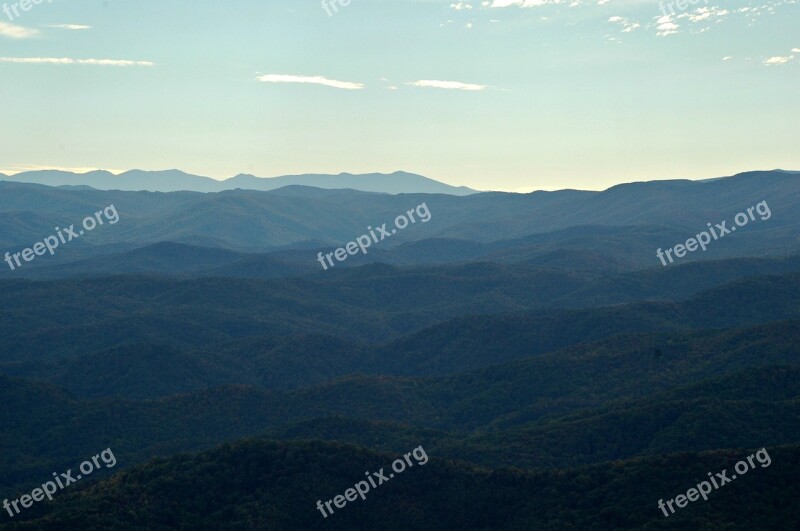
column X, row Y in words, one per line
column 626, row 24
column 705, row 13
column 708, row 16
column 16, row 32
column 666, row 26
column 795, row 50
column 727, row 58
column 452, row 85
column 778, row 60
column 459, row 6
column 670, row 24
column 314, row 80
column 69, row 61
column 69, row 26
column 519, row 3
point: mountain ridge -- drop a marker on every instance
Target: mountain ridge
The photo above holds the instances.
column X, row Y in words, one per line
column 175, row 180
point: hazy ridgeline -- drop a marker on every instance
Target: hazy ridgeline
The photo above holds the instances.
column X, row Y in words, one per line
column 556, row 373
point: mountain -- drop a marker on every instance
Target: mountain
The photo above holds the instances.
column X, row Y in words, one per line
column 134, row 180
column 276, row 362
column 558, row 376
column 766, row 399
column 622, row 226
column 164, row 258
column 395, row 183
column 485, row 415
column 261, row 484
column 378, row 305
column 176, row 180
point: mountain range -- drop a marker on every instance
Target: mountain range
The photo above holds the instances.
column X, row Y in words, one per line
column 629, row 221
column 557, row 375
column 175, row 180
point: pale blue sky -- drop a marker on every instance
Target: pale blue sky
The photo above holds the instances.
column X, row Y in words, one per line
column 541, row 94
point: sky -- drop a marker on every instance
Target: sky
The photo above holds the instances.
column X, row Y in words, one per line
column 513, row 95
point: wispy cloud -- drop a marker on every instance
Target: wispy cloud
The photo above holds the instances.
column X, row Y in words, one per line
column 778, row 60
column 314, row 80
column 795, row 50
column 70, row 61
column 705, row 13
column 670, row 24
column 16, row 32
column 521, row 3
column 452, row 85
column 68, row 26
column 627, row 25
column 390, row 85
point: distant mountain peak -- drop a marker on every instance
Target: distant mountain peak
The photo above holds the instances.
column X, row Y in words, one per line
column 174, row 180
